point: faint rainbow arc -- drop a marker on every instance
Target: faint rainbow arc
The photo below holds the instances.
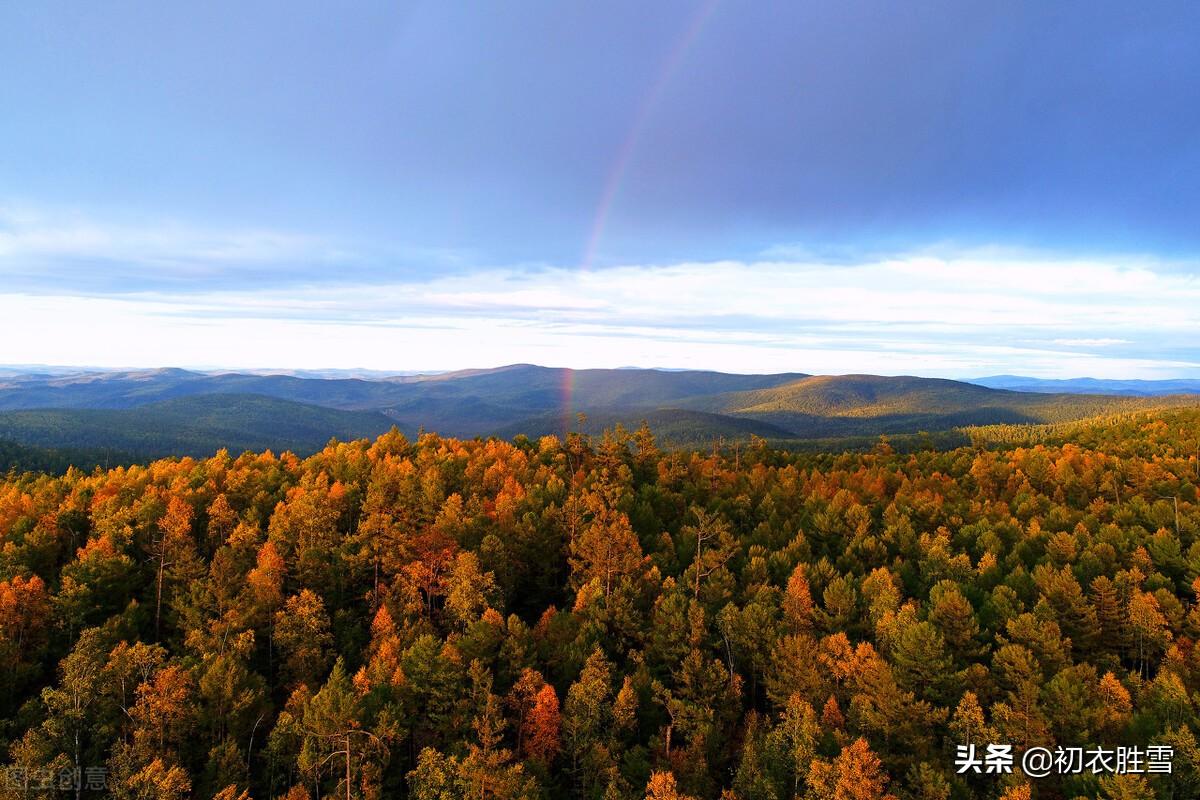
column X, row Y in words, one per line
column 620, row 165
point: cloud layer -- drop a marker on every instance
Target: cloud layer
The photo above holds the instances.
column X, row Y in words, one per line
column 171, row 295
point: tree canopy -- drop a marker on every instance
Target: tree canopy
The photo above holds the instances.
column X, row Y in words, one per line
column 599, row 618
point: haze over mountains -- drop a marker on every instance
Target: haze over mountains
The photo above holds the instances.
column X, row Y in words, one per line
column 1131, row 388
column 151, row 413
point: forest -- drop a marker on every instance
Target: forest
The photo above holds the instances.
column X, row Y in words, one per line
column 111, row 418
column 600, row 617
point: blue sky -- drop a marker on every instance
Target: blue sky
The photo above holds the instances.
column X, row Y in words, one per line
column 933, row 188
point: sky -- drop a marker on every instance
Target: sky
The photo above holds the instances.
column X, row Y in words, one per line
column 932, row 188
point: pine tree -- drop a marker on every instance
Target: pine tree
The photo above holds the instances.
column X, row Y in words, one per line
column 541, row 727
column 954, row 617
column 302, row 634
column 798, row 602
column 662, row 786
column 606, row 549
column 855, row 773
column 922, row 664
column 793, row 742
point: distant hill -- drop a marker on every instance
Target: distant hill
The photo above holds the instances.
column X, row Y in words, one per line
column 1133, row 388
column 176, row 412
column 117, row 390
column 25, row 458
column 861, row 396
column 671, row 426
column 831, row 405
column 194, row 426
column 519, row 389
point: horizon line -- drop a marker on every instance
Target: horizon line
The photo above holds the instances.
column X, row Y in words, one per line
column 351, row 372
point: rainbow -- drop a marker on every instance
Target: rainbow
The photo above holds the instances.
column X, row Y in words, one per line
column 620, row 165
column 568, row 396
column 616, row 173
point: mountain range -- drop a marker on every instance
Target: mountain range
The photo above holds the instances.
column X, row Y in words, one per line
column 151, row 413
column 1131, row 388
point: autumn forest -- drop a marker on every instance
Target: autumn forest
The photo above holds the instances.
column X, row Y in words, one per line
column 602, row 617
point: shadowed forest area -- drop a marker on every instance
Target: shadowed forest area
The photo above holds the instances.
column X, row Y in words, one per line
column 602, row 618
column 112, row 418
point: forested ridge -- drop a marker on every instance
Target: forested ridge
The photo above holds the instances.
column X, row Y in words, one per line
column 171, row 412
column 603, row 618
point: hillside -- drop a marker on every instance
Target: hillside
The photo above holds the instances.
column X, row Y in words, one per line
column 674, row 427
column 1134, row 388
column 25, row 458
column 523, row 388
column 117, row 390
column 827, row 405
column 166, row 411
column 542, row 616
column 196, row 426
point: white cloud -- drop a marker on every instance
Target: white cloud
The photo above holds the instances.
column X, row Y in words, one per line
column 1090, row 342
column 27, row 236
column 955, row 315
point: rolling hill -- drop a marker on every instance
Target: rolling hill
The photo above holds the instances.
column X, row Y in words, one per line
column 194, row 426
column 1133, row 388
column 519, row 389
column 831, row 405
column 174, row 411
column 674, row 426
